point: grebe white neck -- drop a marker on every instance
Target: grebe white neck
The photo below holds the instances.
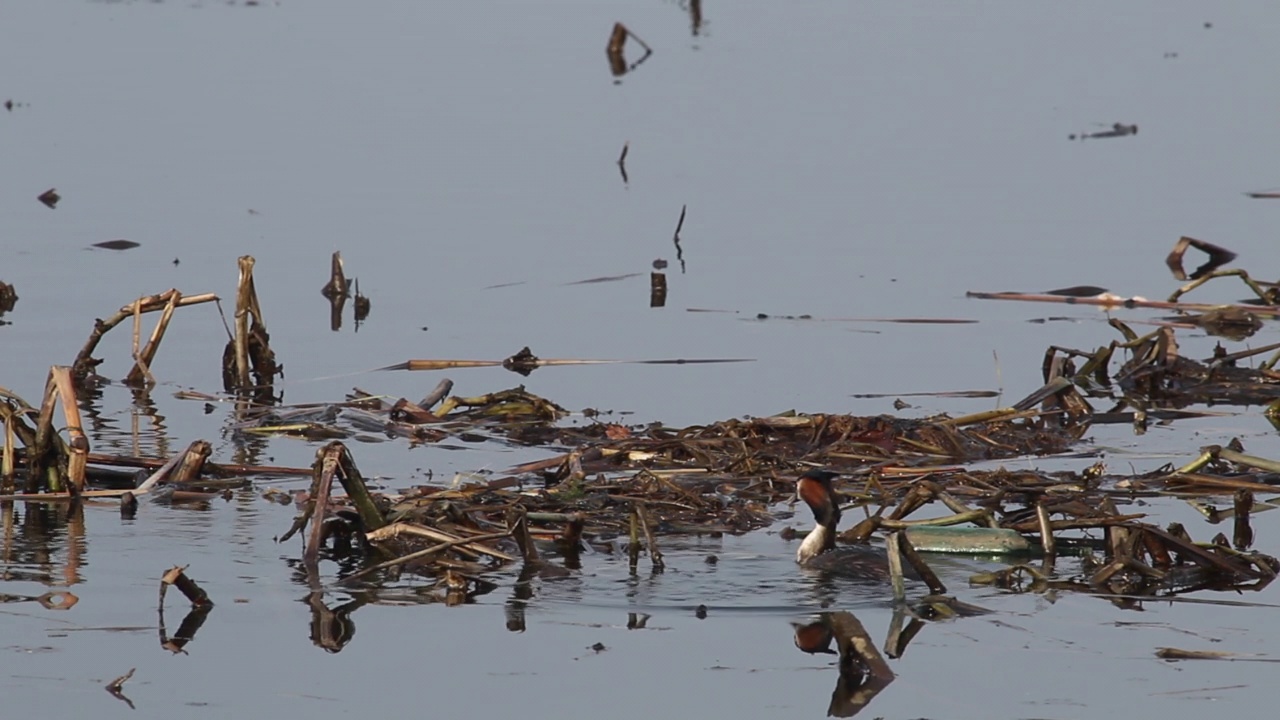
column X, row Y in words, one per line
column 813, row 544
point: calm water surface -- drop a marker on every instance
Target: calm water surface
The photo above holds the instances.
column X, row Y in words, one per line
column 851, row 160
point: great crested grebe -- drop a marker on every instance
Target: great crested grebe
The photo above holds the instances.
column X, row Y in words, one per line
column 819, row 551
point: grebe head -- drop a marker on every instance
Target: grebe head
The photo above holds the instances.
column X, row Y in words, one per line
column 814, row 488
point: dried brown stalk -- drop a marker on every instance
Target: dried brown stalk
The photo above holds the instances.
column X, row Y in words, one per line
column 85, row 363
column 178, row 578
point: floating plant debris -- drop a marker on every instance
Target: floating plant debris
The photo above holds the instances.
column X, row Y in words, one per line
column 1218, row 256
column 604, row 279
column 615, row 51
column 50, row 198
column 1116, row 130
column 117, row 245
column 675, row 238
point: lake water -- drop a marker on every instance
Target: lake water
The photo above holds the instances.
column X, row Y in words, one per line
column 842, row 160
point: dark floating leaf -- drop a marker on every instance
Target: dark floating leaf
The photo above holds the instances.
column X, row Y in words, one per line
column 605, row 279
column 117, row 245
column 1078, row 291
column 1117, row 130
column 50, row 198
column 660, row 264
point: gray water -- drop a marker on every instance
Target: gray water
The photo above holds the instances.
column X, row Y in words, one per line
column 851, row 160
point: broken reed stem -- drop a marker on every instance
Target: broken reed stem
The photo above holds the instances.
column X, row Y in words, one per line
column 78, row 448
column 617, row 39
column 1242, row 535
column 441, row 391
column 434, row 549
column 144, row 358
column 1046, row 529
column 922, row 568
column 191, row 462
column 159, row 476
column 84, row 362
column 177, row 577
column 318, row 503
column 655, row 555
column 42, row 458
column 8, row 464
column 633, row 547
column 518, row 525
column 353, row 483
column 895, row 567
column 1249, row 460
column 245, row 305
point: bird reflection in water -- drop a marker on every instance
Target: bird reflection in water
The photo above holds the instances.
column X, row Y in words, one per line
column 863, row 670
